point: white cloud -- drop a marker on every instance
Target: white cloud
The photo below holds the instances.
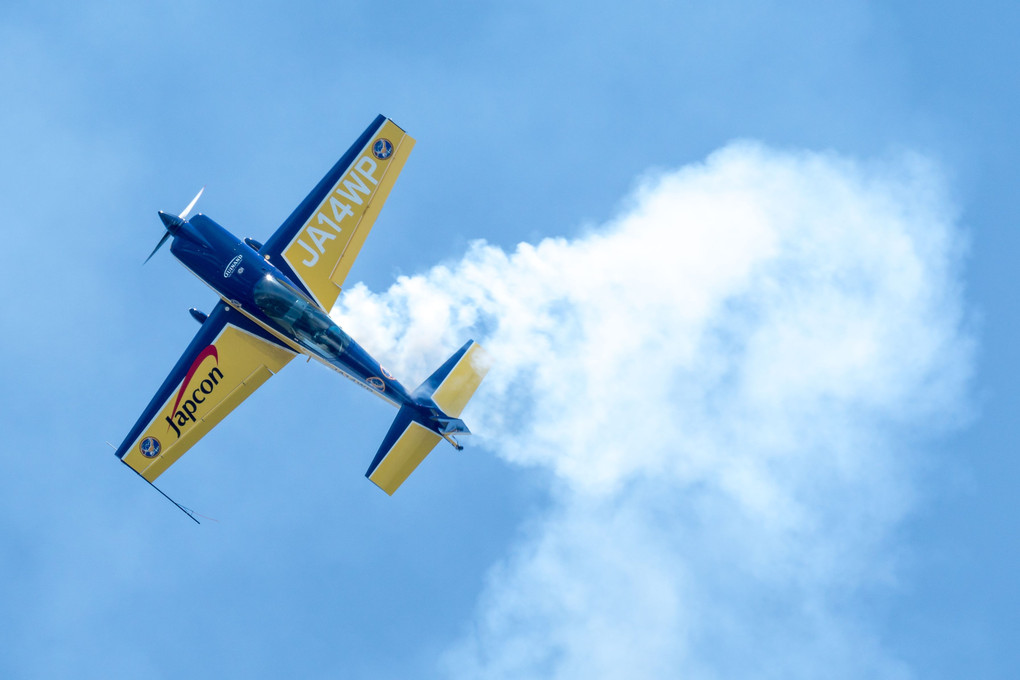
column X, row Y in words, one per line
column 727, row 383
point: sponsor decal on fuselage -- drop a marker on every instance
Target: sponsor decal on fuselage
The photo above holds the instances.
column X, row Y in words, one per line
column 190, row 396
column 231, row 267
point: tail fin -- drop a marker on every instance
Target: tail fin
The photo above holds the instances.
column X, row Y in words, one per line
column 434, row 416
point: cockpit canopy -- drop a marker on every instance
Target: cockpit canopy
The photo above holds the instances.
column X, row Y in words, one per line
column 298, row 316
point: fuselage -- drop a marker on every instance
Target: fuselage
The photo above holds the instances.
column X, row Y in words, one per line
column 253, row 286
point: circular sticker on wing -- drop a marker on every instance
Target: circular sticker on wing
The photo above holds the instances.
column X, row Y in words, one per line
column 377, row 383
column 150, row 447
column 382, row 149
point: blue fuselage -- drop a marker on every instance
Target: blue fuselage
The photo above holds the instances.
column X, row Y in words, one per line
column 251, row 284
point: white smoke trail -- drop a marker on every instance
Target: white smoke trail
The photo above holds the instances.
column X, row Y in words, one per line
column 727, row 381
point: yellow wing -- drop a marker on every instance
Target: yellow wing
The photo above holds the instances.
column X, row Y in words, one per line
column 320, row 241
column 226, row 362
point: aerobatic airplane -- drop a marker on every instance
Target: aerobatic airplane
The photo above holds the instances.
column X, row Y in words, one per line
column 274, row 304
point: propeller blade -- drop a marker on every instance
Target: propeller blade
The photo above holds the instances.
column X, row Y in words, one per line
column 158, row 245
column 172, row 223
column 184, row 215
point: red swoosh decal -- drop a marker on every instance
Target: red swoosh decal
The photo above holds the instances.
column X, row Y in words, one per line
column 209, row 351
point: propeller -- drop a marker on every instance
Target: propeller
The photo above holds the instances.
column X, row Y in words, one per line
column 184, row 215
column 158, row 246
column 173, row 223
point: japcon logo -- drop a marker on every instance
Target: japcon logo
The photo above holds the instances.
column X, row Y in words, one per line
column 191, row 396
column 231, row 267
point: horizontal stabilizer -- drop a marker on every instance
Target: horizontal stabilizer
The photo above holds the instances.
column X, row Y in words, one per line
column 455, row 382
column 434, row 416
column 404, row 448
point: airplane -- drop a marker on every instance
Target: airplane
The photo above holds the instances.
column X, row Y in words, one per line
column 274, row 305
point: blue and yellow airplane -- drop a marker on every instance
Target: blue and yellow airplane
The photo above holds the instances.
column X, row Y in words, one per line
column 274, row 304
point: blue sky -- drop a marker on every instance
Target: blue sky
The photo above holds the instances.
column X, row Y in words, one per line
column 776, row 237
